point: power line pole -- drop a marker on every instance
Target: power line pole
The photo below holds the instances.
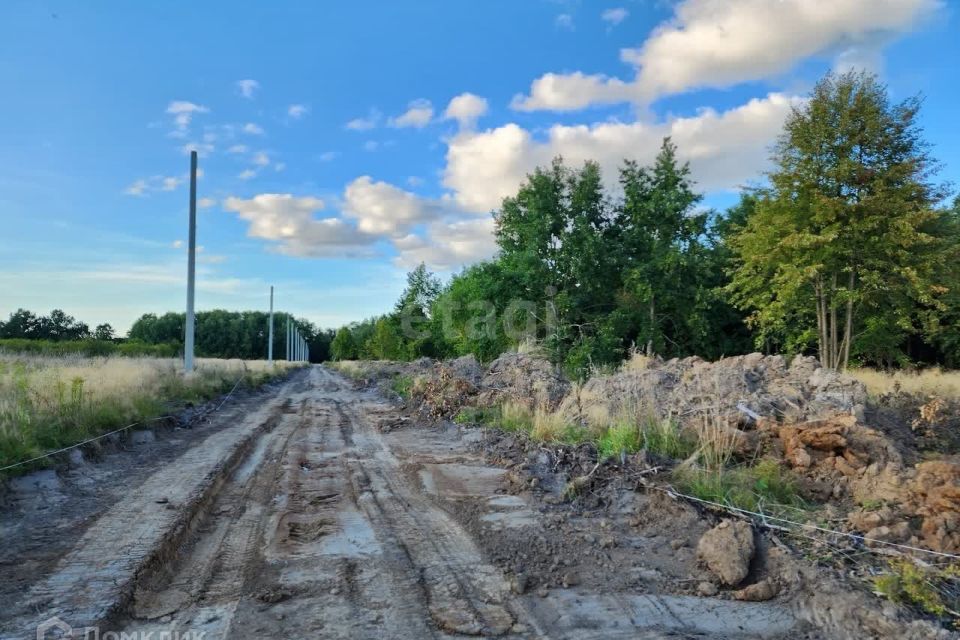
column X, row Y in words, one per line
column 191, row 268
column 287, row 331
column 270, row 333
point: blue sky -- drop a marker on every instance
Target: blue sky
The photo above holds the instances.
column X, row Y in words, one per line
column 343, row 142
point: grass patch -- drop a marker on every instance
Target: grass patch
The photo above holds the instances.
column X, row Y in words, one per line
column 402, row 385
column 764, row 487
column 932, row 590
column 49, row 403
column 662, row 437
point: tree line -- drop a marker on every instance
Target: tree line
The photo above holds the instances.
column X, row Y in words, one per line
column 847, row 252
column 219, row 334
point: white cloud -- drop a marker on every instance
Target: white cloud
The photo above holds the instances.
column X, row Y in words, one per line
column 138, row 188
column 153, row 184
column 237, row 148
column 564, row 21
column 253, row 129
column 384, row 209
column 290, row 223
column 365, row 124
column 170, row 183
column 615, row 16
column 466, row 109
column 714, row 43
column 297, row 111
column 328, row 156
column 177, row 244
column 206, row 203
column 279, row 166
column 371, row 145
column 247, row 87
column 261, row 159
column 203, row 149
column 418, row 115
column 247, row 174
column 724, row 148
column 415, row 181
column 448, row 245
column 183, row 112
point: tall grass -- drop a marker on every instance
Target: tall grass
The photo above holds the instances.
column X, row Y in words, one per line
column 48, row 403
column 928, row 382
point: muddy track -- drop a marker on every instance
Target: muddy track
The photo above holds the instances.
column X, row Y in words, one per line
column 326, row 527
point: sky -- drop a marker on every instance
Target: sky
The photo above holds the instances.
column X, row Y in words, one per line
column 343, row 143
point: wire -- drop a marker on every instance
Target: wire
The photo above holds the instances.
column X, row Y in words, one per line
column 763, row 517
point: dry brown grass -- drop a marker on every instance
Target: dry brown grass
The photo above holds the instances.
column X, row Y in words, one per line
column 928, row 382
column 49, row 402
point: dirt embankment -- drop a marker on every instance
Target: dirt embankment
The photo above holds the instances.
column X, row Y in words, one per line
column 861, row 477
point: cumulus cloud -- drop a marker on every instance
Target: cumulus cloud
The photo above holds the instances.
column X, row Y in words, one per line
column 247, row 87
column 328, row 156
column 365, row 124
column 297, row 111
column 419, row 113
column 261, row 159
column 448, row 244
column 206, row 203
column 137, row 188
column 290, row 223
column 724, row 148
column 183, row 112
column 719, row 43
column 237, row 148
column 382, row 208
column 247, row 174
column 614, row 16
column 253, row 129
column 466, row 109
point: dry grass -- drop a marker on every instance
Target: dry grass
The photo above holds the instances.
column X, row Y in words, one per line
column 928, row 382
column 636, row 362
column 48, row 402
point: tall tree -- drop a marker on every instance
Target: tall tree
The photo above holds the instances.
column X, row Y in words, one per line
column 842, row 235
column 662, row 237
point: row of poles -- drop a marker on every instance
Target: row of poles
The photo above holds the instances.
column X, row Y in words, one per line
column 298, row 349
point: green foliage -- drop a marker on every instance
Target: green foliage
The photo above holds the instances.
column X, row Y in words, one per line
column 619, row 439
column 343, row 346
column 765, row 486
column 477, row 415
column 922, row 587
column 232, row 334
column 402, row 385
column 845, row 245
column 133, row 348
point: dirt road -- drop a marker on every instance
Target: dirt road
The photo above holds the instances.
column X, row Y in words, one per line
column 303, row 519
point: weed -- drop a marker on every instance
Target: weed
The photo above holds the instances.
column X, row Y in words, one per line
column 621, row 438
column 765, row 486
column 402, row 385
column 925, row 588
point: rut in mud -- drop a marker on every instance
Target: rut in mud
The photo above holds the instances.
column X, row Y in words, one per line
column 327, row 527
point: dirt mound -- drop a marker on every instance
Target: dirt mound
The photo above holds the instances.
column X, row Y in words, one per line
column 528, row 380
column 734, row 388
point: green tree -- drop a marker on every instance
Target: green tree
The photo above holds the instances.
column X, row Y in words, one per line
column 103, row 332
column 841, row 243
column 385, row 343
column 664, row 255
column 344, row 347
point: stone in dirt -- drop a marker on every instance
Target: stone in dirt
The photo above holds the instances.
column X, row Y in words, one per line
column 762, row 591
column 727, row 550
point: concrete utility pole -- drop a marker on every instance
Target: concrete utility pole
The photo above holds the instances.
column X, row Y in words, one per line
column 287, row 331
column 191, row 268
column 270, row 332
